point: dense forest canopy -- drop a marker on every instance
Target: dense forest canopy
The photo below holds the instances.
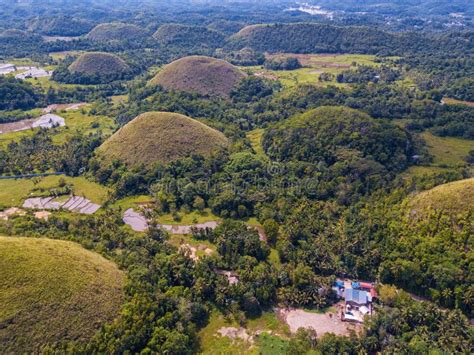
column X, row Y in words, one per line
column 263, row 173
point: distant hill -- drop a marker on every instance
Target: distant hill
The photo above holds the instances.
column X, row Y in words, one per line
column 116, row 31
column 331, row 134
column 161, row 137
column 190, row 37
column 60, row 26
column 15, row 34
column 53, row 291
column 99, row 63
column 199, row 74
column 313, row 38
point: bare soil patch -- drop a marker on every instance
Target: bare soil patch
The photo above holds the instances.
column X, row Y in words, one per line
column 322, row 323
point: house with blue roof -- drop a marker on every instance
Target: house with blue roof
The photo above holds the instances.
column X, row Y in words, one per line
column 355, row 297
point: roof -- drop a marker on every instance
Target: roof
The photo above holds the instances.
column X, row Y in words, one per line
column 357, row 296
column 366, row 285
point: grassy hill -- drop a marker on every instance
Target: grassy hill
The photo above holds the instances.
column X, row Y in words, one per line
column 116, row 31
column 452, row 198
column 161, row 137
column 99, row 63
column 53, row 290
column 188, row 36
column 198, row 74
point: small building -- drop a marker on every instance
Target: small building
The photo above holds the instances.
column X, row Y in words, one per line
column 356, row 298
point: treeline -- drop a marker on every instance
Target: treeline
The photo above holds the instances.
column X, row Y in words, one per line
column 18, row 95
column 322, row 38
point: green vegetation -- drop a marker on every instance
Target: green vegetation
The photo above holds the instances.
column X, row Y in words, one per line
column 13, row 192
column 447, row 151
column 116, row 31
column 328, row 134
column 161, row 137
column 188, row 36
column 77, row 122
column 196, row 74
column 69, row 291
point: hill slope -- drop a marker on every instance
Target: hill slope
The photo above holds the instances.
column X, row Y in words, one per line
column 99, row 63
column 53, row 290
column 161, row 137
column 188, row 36
column 199, row 74
column 335, row 134
column 312, row 38
column 452, row 198
column 116, row 31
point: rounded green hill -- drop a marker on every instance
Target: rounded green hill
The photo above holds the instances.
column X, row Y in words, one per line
column 188, row 36
column 331, row 134
column 161, row 137
column 52, row 291
column 198, row 74
column 99, row 63
column 116, row 31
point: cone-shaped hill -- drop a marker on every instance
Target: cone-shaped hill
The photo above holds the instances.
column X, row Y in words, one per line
column 116, row 31
column 198, row 74
column 53, row 290
column 330, row 134
column 451, row 198
column 161, row 137
column 99, row 63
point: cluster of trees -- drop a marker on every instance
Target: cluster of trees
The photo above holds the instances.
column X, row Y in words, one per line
column 18, row 95
column 366, row 74
column 38, row 154
column 290, row 63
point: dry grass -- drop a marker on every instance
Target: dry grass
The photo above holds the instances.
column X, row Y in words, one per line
column 454, row 197
column 198, row 74
column 161, row 137
column 99, row 63
column 53, row 290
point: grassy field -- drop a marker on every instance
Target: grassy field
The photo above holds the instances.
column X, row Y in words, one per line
column 314, row 65
column 449, row 101
column 447, row 151
column 255, row 138
column 77, row 121
column 213, row 343
column 189, row 218
column 14, row 192
column 53, row 290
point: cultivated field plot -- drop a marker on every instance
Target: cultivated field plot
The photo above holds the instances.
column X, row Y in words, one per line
column 15, row 192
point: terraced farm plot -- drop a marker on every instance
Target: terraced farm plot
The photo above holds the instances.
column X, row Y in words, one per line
column 15, row 192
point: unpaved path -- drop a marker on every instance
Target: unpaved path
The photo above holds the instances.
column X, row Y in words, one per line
column 138, row 222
